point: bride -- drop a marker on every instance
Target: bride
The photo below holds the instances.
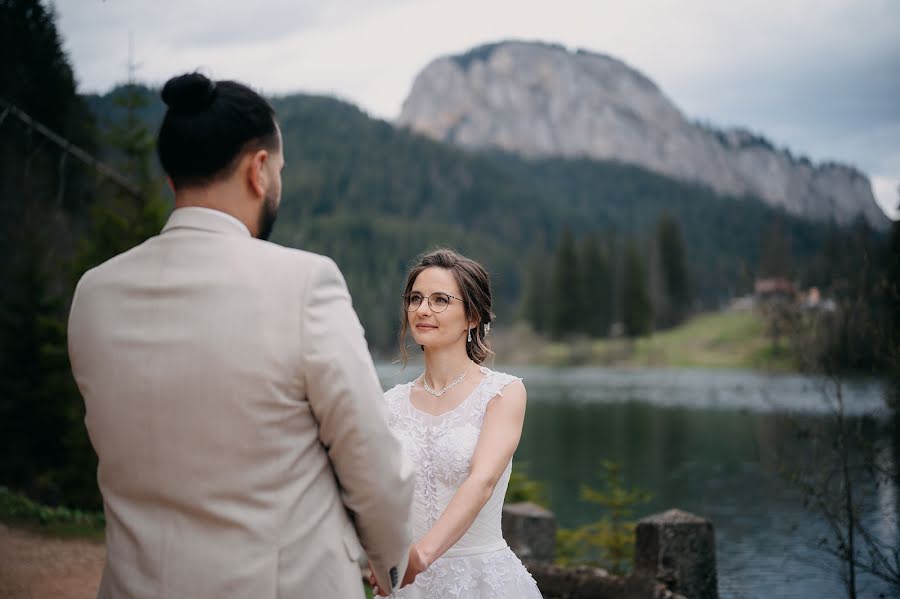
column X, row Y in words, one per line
column 460, row 422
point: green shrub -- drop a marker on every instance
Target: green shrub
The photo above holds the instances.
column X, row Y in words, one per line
column 522, row 488
column 19, row 509
column 608, row 542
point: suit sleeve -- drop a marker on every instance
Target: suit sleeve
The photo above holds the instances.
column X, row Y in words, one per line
column 374, row 474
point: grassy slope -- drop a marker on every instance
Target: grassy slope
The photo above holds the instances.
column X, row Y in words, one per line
column 715, row 340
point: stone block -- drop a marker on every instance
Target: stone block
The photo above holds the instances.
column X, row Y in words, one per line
column 530, row 531
column 679, row 550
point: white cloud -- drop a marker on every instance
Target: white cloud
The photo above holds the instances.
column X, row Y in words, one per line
column 289, row 46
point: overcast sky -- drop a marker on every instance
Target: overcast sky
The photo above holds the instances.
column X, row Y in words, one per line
column 821, row 77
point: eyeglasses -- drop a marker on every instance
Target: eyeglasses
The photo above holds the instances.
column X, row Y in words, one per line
column 437, row 301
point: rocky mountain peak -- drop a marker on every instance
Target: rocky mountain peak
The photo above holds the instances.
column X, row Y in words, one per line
column 539, row 99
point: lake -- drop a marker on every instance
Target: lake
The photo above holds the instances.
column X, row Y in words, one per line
column 716, row 443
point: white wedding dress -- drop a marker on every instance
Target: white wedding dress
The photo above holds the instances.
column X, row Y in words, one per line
column 480, row 565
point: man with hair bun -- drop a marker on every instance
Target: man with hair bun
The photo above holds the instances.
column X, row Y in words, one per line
column 230, row 397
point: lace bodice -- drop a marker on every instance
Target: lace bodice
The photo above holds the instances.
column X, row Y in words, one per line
column 442, row 447
column 479, row 565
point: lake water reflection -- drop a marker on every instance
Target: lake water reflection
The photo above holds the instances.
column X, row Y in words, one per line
column 712, row 442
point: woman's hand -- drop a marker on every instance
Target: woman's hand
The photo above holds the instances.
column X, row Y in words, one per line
column 416, row 566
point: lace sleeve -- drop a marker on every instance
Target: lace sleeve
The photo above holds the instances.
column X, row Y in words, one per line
column 491, row 389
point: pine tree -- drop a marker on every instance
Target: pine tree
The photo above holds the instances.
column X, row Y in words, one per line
column 37, row 79
column 565, row 305
column 37, row 395
column 536, row 297
column 120, row 221
column 637, row 310
column 775, row 257
column 676, row 291
column 37, row 76
column 40, row 410
column 596, row 288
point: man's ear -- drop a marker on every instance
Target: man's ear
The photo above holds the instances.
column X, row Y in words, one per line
column 256, row 172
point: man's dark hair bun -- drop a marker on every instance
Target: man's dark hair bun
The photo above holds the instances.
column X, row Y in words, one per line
column 189, row 94
column 208, row 124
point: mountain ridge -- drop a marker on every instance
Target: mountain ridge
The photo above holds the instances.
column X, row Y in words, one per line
column 540, row 99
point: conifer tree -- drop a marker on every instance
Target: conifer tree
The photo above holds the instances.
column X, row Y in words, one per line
column 776, row 256
column 122, row 220
column 637, row 310
column 565, row 304
column 37, row 394
column 676, row 292
column 536, row 295
column 40, row 415
column 596, row 287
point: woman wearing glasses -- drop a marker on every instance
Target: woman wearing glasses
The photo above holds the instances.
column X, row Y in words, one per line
column 461, row 423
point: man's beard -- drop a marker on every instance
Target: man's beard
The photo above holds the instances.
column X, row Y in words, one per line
column 267, row 216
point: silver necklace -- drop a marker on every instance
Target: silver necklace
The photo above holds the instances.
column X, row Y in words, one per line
column 457, row 381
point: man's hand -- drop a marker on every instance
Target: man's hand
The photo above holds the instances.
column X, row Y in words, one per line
column 373, row 582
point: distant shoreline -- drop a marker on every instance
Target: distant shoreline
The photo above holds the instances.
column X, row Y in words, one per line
column 727, row 339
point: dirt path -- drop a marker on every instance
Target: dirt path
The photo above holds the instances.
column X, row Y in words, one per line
column 37, row 567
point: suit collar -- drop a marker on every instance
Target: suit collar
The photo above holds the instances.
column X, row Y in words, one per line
column 205, row 219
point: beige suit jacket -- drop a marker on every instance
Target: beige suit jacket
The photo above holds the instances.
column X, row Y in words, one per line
column 242, row 440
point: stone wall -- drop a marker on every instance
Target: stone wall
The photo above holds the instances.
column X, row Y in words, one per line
column 674, row 558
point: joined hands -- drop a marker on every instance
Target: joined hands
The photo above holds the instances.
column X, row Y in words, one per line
column 415, row 567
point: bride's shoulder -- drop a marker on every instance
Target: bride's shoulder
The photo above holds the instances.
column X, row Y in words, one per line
column 499, row 380
column 498, row 384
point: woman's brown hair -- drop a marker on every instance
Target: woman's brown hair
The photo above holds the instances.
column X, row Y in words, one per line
column 475, row 289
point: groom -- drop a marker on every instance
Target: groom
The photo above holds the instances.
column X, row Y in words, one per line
column 243, row 448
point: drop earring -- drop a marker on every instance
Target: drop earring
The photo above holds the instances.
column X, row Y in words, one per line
column 469, row 336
